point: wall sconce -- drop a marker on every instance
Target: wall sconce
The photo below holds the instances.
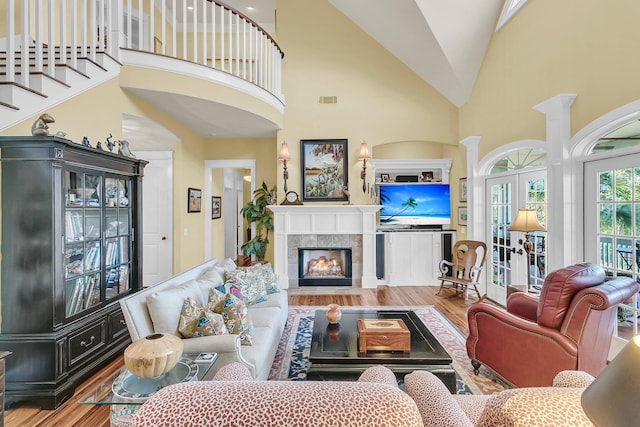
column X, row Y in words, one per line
column 526, row 221
column 364, row 156
column 284, row 156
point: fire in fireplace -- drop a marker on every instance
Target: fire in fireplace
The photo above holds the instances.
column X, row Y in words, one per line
column 324, row 267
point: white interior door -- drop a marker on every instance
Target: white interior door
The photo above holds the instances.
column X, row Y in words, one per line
column 157, row 217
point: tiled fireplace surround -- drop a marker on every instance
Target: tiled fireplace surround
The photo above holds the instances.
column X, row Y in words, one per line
column 325, row 226
column 307, row 241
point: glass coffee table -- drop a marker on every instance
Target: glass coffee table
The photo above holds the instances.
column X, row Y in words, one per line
column 125, row 393
column 335, row 354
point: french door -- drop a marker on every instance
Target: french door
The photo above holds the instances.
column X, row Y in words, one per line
column 509, row 265
column 612, row 225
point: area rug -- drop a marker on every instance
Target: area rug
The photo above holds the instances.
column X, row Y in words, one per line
column 292, row 358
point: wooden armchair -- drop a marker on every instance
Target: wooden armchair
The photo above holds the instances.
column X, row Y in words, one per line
column 469, row 257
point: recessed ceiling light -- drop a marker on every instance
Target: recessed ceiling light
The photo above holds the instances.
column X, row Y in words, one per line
column 189, row 7
column 250, row 8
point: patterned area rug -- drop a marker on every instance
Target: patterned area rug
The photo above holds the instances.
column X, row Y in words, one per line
column 292, row 358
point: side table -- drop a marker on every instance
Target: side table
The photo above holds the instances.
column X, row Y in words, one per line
column 3, row 354
column 131, row 395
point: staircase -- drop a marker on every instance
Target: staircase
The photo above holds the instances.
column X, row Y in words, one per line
column 51, row 80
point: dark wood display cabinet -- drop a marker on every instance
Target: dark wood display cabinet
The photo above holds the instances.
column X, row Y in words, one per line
column 71, row 247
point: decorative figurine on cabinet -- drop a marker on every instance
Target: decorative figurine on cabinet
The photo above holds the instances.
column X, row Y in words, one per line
column 123, row 148
column 110, row 144
column 41, row 126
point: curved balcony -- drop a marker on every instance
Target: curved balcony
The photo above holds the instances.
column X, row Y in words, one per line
column 201, row 40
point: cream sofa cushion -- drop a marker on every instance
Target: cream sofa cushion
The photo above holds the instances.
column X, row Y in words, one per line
column 165, row 306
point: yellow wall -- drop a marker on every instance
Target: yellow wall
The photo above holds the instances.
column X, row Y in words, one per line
column 550, row 47
column 97, row 113
column 379, row 99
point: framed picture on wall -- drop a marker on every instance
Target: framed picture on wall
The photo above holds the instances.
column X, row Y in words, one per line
column 194, row 200
column 463, row 189
column 216, row 207
column 324, row 169
column 462, row 216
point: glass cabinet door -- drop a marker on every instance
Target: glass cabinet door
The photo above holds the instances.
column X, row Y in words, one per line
column 82, row 241
column 118, row 236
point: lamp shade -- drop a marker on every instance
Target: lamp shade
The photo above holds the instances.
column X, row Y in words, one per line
column 284, row 152
column 612, row 398
column 526, row 221
column 364, row 152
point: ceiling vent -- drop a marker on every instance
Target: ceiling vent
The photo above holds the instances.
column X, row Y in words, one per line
column 328, row 100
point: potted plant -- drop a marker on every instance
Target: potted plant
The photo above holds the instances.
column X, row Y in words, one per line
column 256, row 211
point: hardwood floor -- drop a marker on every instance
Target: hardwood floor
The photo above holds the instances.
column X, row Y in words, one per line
column 71, row 413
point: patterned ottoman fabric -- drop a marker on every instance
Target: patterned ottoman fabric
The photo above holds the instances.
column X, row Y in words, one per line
column 437, row 406
column 279, row 403
column 379, row 374
column 235, row 371
column 535, row 407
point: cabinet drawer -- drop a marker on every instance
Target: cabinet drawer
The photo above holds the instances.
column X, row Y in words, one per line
column 117, row 325
column 86, row 341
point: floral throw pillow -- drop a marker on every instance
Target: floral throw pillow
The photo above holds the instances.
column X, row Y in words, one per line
column 250, row 284
column 269, row 278
column 196, row 321
column 235, row 314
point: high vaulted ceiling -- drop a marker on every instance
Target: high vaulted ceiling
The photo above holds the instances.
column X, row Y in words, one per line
column 443, row 42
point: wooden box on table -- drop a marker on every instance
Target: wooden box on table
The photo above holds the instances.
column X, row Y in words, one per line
column 383, row 335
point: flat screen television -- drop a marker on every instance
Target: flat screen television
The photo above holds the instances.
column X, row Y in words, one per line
column 414, row 205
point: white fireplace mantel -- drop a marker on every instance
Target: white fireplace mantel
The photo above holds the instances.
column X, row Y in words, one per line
column 325, row 219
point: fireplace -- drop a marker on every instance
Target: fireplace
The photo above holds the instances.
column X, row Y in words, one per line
column 324, row 267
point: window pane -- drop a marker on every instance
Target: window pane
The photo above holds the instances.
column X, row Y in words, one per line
column 606, row 218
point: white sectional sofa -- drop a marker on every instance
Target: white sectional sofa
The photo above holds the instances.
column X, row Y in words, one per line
column 153, row 310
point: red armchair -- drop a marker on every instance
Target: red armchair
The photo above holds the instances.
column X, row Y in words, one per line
column 569, row 327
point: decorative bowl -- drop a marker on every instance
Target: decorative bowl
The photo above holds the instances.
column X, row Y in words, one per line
column 153, row 355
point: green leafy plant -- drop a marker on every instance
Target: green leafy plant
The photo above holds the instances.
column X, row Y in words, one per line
column 256, row 211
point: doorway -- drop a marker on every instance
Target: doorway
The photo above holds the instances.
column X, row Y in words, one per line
column 228, row 176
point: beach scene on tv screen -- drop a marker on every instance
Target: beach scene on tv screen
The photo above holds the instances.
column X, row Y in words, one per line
column 415, row 204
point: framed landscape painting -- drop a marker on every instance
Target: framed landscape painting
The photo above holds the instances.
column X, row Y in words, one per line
column 324, row 169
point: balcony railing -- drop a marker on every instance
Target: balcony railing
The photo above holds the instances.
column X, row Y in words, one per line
column 201, row 31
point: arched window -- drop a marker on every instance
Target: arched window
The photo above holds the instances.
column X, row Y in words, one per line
column 521, row 159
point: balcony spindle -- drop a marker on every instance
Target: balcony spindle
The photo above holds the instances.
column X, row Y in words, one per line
column 24, row 49
column 184, row 30
column 141, row 24
column 63, row 32
column 83, row 29
column 195, row 32
column 174, row 31
column 204, row 32
column 38, row 35
column 73, row 52
column 222, row 64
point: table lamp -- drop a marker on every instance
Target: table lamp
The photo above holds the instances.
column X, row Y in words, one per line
column 612, row 398
column 527, row 221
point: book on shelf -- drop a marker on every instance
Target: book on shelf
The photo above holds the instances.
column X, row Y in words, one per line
column 76, row 299
column 73, row 226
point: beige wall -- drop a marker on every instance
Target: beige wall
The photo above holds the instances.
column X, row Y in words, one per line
column 379, row 99
column 586, row 47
